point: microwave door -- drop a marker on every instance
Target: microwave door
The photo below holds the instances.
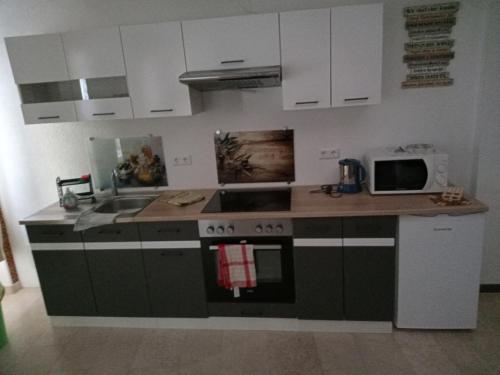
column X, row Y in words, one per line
column 395, row 175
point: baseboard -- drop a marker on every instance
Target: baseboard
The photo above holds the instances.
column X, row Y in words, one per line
column 11, row 289
column 490, row 288
column 227, row 323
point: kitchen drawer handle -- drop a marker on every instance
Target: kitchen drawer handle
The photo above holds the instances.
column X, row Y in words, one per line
column 162, row 110
column 356, row 99
column 49, row 233
column 48, row 117
column 232, row 61
column 172, row 253
column 444, row 229
column 307, row 102
column 168, row 230
column 104, row 114
column 104, row 231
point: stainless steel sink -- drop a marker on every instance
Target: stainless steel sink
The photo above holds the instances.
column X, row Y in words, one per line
column 125, row 206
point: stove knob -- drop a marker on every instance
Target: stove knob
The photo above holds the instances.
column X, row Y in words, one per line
column 210, row 230
column 269, row 228
column 279, row 228
column 229, row 229
column 258, row 228
column 220, row 230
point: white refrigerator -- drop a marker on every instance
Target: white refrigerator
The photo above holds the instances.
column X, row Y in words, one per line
column 438, row 271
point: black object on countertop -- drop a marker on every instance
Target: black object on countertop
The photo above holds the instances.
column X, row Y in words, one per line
column 249, row 200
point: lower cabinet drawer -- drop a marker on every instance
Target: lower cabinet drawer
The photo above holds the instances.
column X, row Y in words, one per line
column 319, row 282
column 65, row 282
column 176, row 282
column 369, row 283
column 46, row 113
column 104, row 109
column 119, row 282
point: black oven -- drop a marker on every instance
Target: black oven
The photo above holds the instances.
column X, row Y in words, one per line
column 273, row 254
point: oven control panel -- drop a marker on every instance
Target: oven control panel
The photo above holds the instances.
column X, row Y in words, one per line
column 245, row 228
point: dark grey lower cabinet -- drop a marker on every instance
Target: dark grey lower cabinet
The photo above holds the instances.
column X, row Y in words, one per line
column 319, row 282
column 369, row 281
column 65, row 282
column 119, row 282
column 176, row 282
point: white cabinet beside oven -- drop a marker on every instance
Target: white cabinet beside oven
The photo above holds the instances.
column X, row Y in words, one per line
column 154, row 55
column 232, row 42
column 439, row 264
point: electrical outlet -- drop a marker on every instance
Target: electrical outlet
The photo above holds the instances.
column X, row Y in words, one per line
column 329, row 153
column 181, row 161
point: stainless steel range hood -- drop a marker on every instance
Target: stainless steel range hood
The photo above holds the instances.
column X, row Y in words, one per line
column 241, row 78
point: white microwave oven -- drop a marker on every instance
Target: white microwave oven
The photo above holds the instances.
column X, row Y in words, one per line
column 406, row 170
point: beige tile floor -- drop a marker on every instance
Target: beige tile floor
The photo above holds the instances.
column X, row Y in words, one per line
column 36, row 348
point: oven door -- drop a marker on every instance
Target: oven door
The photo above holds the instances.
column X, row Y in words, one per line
column 274, row 270
column 409, row 175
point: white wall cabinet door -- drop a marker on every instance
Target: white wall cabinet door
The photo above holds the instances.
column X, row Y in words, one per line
column 103, row 109
column 305, row 58
column 44, row 113
column 357, row 54
column 154, row 56
column 232, row 42
column 37, row 58
column 94, row 53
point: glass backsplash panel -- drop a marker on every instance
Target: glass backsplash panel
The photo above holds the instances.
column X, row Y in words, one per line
column 138, row 162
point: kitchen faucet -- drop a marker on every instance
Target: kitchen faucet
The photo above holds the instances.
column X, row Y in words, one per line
column 114, row 183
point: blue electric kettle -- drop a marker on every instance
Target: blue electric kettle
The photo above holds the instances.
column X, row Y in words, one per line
column 352, row 174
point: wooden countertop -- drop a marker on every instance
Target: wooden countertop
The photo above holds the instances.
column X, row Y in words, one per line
column 306, row 204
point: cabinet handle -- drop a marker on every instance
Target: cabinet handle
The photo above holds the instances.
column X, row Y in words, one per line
column 48, row 117
column 232, row 61
column 169, row 230
column 162, row 110
column 307, row 102
column 172, row 253
column 355, row 99
column 446, row 229
column 104, row 114
column 49, row 233
column 104, row 231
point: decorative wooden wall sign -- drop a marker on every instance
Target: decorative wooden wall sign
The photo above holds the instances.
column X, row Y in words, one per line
column 429, row 51
column 255, row 156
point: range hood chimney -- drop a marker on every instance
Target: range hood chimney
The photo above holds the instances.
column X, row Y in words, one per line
column 225, row 79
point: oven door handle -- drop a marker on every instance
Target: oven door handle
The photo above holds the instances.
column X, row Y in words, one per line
column 255, row 247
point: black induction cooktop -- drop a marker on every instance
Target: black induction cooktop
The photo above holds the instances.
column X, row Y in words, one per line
column 249, row 200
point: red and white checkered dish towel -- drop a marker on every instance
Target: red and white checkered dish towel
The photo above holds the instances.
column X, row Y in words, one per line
column 236, row 266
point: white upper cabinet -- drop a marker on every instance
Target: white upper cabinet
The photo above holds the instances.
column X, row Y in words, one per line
column 305, row 58
column 357, row 54
column 37, row 58
column 94, row 53
column 232, row 42
column 154, row 56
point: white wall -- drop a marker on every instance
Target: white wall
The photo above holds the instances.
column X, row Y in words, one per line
column 488, row 144
column 32, row 156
